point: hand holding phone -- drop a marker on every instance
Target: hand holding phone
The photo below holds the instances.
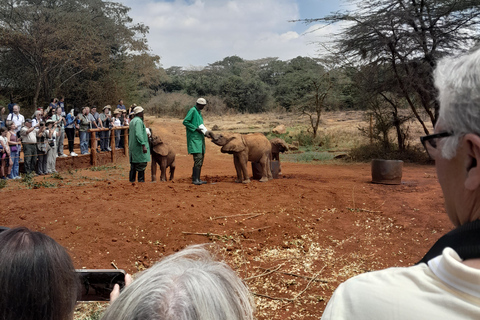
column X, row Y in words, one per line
column 97, row 284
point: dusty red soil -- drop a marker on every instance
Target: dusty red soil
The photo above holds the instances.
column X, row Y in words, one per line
column 323, row 221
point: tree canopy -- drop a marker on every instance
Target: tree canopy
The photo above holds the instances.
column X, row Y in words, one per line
column 58, row 47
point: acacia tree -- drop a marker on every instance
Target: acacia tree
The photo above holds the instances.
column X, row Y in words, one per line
column 55, row 42
column 408, row 36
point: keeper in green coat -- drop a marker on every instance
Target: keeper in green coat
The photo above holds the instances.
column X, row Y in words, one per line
column 196, row 132
column 139, row 150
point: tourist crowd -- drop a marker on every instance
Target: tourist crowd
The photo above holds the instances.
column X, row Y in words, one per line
column 41, row 137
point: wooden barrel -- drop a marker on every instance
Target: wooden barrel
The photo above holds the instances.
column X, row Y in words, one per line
column 387, row 171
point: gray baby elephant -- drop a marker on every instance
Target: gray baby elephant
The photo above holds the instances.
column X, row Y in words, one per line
column 163, row 154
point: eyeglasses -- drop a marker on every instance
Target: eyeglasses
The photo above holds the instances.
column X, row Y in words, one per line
column 429, row 142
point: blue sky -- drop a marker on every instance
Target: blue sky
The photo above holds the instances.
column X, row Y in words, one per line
column 194, row 33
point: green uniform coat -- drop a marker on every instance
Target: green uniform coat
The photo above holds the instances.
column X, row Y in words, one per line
column 137, row 137
column 195, row 139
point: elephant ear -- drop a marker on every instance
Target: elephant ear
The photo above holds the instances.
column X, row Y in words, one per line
column 234, row 145
column 161, row 149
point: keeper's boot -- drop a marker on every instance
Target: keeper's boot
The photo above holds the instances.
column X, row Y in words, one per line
column 199, row 174
column 133, row 175
column 196, row 176
column 141, row 176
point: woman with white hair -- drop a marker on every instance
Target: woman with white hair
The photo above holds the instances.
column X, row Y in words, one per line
column 188, row 285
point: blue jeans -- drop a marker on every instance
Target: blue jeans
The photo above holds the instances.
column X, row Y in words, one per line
column 15, row 167
column 84, row 138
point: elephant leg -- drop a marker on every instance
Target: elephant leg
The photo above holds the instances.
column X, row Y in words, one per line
column 238, row 169
column 163, row 169
column 266, row 171
column 172, row 170
column 243, row 159
column 153, row 168
column 269, row 169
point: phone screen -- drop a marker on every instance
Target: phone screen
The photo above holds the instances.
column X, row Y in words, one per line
column 96, row 285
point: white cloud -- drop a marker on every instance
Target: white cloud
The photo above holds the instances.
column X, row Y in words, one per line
column 197, row 32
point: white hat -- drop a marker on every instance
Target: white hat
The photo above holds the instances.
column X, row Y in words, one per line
column 137, row 110
column 107, row 107
column 201, row 101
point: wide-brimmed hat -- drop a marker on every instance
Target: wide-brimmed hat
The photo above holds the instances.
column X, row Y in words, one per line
column 201, row 101
column 137, row 110
column 107, row 107
column 28, row 120
column 49, row 121
column 116, row 111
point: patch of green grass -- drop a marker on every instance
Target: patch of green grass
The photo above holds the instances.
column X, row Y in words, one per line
column 365, row 153
column 307, row 156
column 57, row 175
column 3, row 183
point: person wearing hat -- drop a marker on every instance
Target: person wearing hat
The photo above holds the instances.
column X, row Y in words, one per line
column 139, row 150
column 117, row 123
column 106, row 120
column 29, row 134
column 196, row 131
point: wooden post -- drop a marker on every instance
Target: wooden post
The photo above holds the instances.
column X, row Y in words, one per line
column 112, row 143
column 125, row 141
column 93, row 150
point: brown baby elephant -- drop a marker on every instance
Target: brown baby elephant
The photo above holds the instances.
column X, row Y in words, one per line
column 163, row 154
column 253, row 147
column 278, row 146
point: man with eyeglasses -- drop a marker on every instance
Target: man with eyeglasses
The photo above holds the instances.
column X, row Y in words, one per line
column 445, row 283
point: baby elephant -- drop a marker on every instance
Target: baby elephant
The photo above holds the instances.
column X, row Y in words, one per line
column 164, row 155
column 278, row 146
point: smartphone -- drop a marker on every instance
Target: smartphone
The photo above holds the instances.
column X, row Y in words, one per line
column 96, row 284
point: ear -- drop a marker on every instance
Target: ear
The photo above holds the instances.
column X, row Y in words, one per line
column 472, row 165
column 234, row 145
column 161, row 149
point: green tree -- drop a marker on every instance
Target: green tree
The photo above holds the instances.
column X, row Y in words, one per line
column 408, row 37
column 55, row 42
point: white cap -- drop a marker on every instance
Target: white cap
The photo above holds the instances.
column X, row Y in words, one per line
column 201, row 101
column 137, row 110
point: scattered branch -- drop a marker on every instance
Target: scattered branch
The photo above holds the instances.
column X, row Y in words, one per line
column 266, row 273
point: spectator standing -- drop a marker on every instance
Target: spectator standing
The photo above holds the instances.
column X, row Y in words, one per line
column 70, row 130
column 130, row 110
column 42, row 148
column 122, row 132
column 16, row 117
column 37, row 118
column 2, row 117
column 61, row 104
column 51, row 135
column 196, row 131
column 83, row 127
column 14, row 144
column 29, row 133
column 11, row 104
column 139, row 150
column 60, row 122
column 116, row 123
column 94, row 118
column 445, row 284
column 6, row 161
column 50, row 111
column 120, row 105
column 106, row 120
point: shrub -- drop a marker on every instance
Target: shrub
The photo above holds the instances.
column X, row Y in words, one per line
column 367, row 152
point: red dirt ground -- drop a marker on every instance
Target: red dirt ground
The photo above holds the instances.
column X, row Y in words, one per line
column 322, row 222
